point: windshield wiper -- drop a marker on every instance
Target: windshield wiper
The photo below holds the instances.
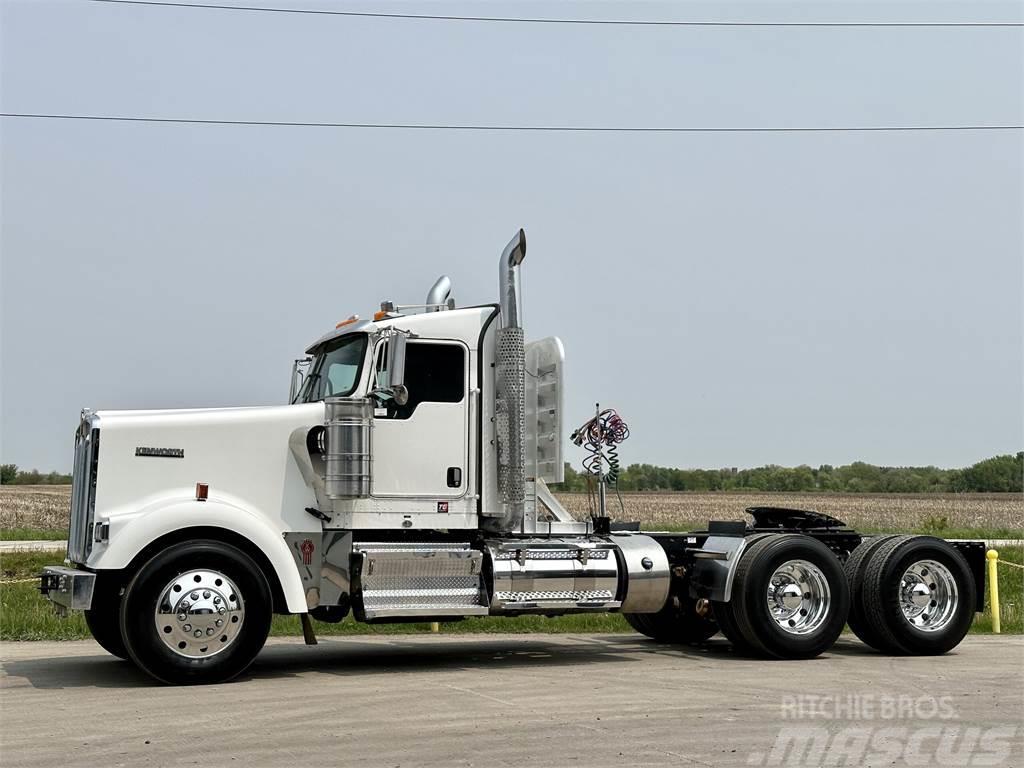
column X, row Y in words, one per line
column 307, row 388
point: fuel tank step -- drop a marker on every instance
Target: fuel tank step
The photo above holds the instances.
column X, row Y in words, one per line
column 418, row 580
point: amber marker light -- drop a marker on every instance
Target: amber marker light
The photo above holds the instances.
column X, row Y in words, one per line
column 348, row 321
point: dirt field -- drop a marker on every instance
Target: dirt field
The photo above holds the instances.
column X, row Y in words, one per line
column 35, row 506
column 910, row 512
column 47, row 507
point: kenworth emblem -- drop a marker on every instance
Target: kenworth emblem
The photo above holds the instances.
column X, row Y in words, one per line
column 167, row 453
column 307, row 551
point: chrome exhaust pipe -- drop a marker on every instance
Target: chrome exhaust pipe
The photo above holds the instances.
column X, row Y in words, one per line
column 439, row 294
column 510, row 390
column 508, row 280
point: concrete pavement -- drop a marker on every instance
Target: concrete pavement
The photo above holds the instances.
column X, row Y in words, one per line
column 33, row 546
column 522, row 700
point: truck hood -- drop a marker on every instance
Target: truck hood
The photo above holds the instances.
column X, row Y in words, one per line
column 156, row 457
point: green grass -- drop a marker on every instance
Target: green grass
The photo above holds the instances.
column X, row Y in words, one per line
column 26, row 615
column 33, row 534
column 581, row 623
column 1011, row 595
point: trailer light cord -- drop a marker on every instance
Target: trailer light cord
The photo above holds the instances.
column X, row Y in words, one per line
column 600, row 437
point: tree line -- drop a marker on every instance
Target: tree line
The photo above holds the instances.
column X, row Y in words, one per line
column 11, row 475
column 999, row 474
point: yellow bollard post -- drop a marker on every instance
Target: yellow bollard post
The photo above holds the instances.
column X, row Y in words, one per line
column 993, row 587
column 435, row 627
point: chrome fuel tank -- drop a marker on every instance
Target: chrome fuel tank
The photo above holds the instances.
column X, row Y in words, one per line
column 539, row 575
column 561, row 575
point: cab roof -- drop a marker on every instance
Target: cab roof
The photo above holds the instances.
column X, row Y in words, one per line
column 462, row 322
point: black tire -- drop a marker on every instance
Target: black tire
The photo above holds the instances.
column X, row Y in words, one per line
column 856, row 566
column 674, row 624
column 726, row 619
column 891, row 630
column 138, row 614
column 104, row 617
column 639, row 622
column 750, row 587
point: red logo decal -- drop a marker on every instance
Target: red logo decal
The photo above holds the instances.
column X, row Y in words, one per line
column 442, row 506
column 307, row 551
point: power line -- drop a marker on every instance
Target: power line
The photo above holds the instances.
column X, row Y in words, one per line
column 533, row 128
column 540, row 20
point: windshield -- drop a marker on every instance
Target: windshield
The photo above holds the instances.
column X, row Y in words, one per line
column 335, row 369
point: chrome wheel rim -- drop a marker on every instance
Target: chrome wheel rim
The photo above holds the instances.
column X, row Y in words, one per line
column 798, row 597
column 199, row 614
column 928, row 595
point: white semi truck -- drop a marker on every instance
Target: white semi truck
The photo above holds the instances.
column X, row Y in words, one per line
column 407, row 480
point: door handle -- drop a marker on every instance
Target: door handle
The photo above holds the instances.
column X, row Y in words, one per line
column 454, row 477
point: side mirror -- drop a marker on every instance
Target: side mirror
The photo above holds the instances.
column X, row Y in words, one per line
column 299, row 369
column 394, row 368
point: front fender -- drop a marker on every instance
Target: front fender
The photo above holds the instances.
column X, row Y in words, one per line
column 131, row 533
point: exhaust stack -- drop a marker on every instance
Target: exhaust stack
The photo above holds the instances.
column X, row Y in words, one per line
column 508, row 280
column 510, row 389
column 440, row 293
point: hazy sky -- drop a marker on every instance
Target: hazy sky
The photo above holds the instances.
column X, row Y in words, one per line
column 740, row 298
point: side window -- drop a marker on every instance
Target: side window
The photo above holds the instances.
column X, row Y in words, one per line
column 434, row 373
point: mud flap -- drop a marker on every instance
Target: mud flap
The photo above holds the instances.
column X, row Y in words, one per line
column 307, row 629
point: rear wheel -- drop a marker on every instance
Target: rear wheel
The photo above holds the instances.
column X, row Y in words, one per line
column 674, row 623
column 919, row 596
column 726, row 621
column 790, row 598
column 198, row 612
column 725, row 615
column 856, row 567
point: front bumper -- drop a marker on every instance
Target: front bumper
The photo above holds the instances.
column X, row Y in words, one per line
column 66, row 588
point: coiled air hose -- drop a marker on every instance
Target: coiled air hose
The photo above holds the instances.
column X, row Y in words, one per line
column 600, row 437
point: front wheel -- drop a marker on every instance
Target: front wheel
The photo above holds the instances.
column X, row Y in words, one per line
column 198, row 612
column 103, row 617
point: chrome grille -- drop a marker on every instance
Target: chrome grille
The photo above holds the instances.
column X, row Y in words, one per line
column 83, row 488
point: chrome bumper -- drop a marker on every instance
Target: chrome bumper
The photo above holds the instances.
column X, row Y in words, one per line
column 66, row 588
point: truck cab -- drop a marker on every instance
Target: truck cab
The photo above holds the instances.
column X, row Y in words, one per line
column 422, row 462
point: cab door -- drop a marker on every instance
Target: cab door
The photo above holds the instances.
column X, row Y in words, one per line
column 422, row 448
